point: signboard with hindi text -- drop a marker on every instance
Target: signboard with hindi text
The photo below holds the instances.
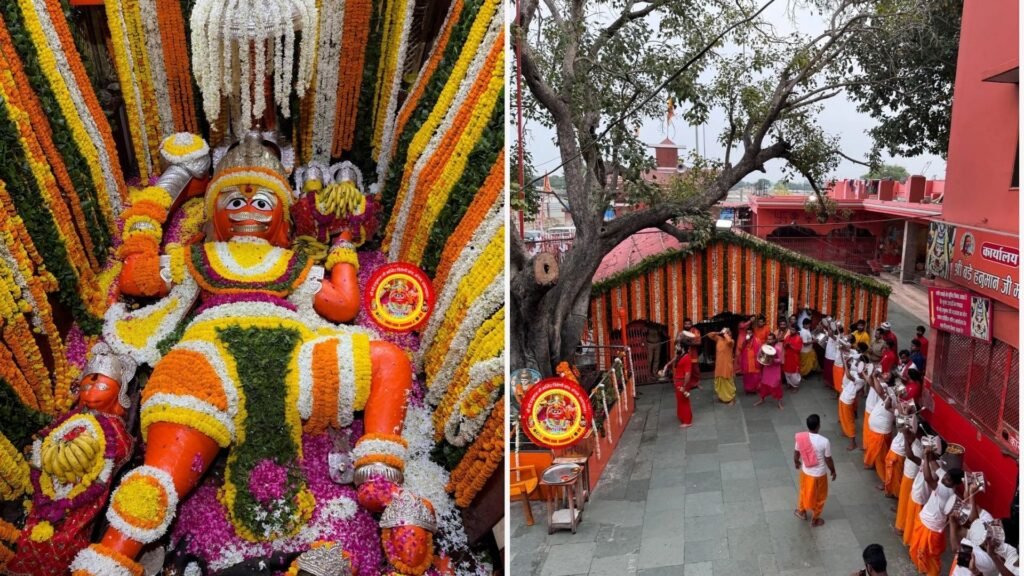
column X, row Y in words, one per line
column 960, row 312
column 985, row 262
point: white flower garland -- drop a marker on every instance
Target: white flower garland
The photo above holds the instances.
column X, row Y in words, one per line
column 463, row 264
column 134, row 86
column 377, row 446
column 180, row 301
column 327, row 67
column 155, row 50
column 304, row 365
column 225, row 29
column 387, row 134
column 475, row 67
column 112, row 194
column 492, row 298
column 22, row 283
column 193, row 404
column 94, row 563
column 460, row 430
column 426, row 479
column 346, row 381
column 388, row 141
column 146, row 536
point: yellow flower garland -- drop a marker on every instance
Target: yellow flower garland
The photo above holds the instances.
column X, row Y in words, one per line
column 48, row 64
column 419, row 142
column 14, row 471
column 118, row 39
column 436, row 195
column 342, row 255
column 488, row 342
column 490, row 263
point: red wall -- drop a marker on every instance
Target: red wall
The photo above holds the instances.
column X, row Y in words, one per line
column 981, row 454
column 983, row 134
column 982, row 146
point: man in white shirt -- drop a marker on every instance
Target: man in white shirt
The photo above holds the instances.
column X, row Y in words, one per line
column 906, row 508
column 831, row 354
column 808, row 357
column 927, row 543
column 879, row 426
column 812, row 455
column 853, row 382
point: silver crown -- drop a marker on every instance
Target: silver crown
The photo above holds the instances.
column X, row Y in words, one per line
column 118, row 367
column 347, row 171
column 252, row 152
column 406, row 509
column 325, row 561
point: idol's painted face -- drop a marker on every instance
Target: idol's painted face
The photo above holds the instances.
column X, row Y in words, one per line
column 252, row 211
column 100, row 393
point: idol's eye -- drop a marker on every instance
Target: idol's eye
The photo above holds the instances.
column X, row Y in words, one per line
column 261, row 204
column 102, row 386
column 236, row 203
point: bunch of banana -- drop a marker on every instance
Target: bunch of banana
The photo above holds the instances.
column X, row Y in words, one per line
column 70, row 460
column 342, row 199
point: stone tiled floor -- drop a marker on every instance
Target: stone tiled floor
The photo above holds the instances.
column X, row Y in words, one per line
column 715, row 499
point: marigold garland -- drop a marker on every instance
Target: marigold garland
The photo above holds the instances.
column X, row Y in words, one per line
column 14, row 479
column 135, row 108
column 481, row 24
column 355, row 34
column 9, row 532
column 481, row 460
column 448, row 162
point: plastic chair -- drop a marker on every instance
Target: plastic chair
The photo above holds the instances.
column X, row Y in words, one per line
column 523, row 482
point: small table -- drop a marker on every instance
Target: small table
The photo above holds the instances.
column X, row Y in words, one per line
column 562, row 481
column 583, row 488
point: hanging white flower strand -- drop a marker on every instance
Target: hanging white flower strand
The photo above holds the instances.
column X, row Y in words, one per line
column 223, row 34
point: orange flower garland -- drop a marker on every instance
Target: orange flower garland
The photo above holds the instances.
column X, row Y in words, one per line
column 325, row 387
column 428, row 71
column 481, row 460
column 355, row 33
column 411, row 249
column 484, row 199
column 9, row 532
column 60, row 24
column 176, row 62
column 28, row 98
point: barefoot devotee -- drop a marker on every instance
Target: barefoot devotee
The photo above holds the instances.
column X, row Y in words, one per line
column 681, row 369
column 927, row 542
column 808, row 357
column 852, row 385
column 792, row 345
column 812, row 455
column 746, row 360
column 911, row 465
column 725, row 371
column 879, row 427
column 771, row 374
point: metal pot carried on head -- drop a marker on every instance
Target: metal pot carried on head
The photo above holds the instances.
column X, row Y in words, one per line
column 995, row 533
column 820, row 337
column 766, row 355
column 906, row 422
column 931, row 444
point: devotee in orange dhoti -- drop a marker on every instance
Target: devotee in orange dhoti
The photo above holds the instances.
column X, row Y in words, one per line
column 812, row 455
column 746, row 359
column 927, row 542
column 725, row 372
column 853, row 382
column 911, row 466
column 876, row 435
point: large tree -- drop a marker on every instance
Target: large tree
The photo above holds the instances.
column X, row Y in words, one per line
column 904, row 77
column 595, row 70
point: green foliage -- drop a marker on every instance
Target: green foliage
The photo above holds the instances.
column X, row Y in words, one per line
column 447, row 455
column 905, row 73
column 765, row 249
column 389, row 188
column 17, row 421
column 262, row 356
column 74, row 161
column 40, row 223
column 530, row 203
column 887, row 172
column 481, row 160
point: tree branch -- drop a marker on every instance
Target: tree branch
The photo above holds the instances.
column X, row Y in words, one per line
column 854, row 160
column 628, row 15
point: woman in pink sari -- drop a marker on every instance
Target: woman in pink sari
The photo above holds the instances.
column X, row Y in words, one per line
column 771, row 375
column 746, row 361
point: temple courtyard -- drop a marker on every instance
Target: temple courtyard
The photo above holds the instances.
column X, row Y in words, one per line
column 718, row 498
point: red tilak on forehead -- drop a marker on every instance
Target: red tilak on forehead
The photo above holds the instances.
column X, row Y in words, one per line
column 247, row 189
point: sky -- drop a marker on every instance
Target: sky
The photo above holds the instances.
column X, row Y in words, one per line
column 839, row 117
